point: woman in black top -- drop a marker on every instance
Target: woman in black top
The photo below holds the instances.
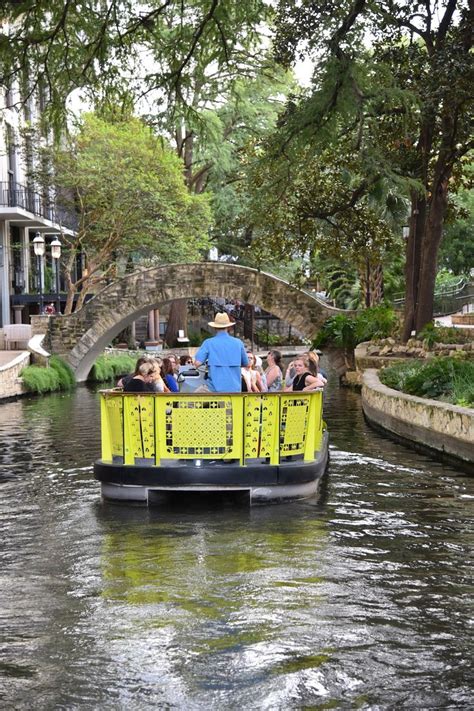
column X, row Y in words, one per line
column 143, row 378
column 303, row 379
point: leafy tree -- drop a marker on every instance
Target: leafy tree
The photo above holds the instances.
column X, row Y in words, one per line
column 306, row 202
column 128, row 189
column 407, row 103
column 229, row 110
column 151, row 46
column 457, row 246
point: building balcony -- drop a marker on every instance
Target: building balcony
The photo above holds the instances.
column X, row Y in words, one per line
column 21, row 205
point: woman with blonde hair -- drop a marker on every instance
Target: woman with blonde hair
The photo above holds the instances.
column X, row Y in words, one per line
column 313, row 367
column 304, row 381
column 251, row 376
column 142, row 380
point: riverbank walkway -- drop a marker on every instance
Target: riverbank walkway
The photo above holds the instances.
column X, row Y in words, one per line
column 7, row 357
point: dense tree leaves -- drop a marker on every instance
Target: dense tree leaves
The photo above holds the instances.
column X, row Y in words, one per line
column 399, row 77
column 158, row 48
column 131, row 199
column 457, row 247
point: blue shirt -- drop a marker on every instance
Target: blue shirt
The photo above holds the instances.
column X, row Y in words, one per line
column 171, row 383
column 225, row 355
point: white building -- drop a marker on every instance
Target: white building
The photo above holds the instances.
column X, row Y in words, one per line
column 26, row 209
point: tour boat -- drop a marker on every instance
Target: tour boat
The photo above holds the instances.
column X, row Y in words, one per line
column 262, row 446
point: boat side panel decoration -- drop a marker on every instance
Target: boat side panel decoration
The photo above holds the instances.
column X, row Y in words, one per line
column 229, row 427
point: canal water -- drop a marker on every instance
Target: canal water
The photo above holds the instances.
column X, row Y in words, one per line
column 360, row 598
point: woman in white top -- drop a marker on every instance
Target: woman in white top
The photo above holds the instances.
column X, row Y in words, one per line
column 251, row 376
column 273, row 372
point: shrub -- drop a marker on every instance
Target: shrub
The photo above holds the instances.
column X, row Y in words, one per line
column 442, row 334
column 463, row 386
column 195, row 339
column 65, row 372
column 376, row 322
column 58, row 376
column 337, row 330
column 346, row 331
column 450, row 379
column 108, row 368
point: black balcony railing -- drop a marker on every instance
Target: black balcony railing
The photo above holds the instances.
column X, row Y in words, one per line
column 17, row 195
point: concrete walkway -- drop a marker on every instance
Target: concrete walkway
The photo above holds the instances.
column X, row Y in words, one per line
column 448, row 321
column 7, row 356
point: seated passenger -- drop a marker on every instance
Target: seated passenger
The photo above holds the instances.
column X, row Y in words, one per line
column 261, row 373
column 123, row 379
column 158, row 384
column 144, row 378
column 168, row 375
column 273, row 372
column 174, row 363
column 313, row 364
column 290, row 374
column 303, row 380
column 251, row 375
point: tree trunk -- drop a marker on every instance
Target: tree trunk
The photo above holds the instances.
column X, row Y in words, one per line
column 412, row 263
column 177, row 321
column 70, row 286
column 82, row 296
column 429, row 256
column 371, row 283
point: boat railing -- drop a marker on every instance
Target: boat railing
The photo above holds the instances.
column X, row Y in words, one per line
column 141, row 429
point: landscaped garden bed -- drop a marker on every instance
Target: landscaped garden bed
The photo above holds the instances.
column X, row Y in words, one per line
column 449, row 379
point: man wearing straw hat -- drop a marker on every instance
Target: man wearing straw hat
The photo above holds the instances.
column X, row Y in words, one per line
column 225, row 355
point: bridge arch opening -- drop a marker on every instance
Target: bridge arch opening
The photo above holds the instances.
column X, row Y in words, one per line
column 82, row 336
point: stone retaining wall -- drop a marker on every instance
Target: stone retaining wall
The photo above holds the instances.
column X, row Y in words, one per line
column 427, row 424
column 463, row 319
column 10, row 381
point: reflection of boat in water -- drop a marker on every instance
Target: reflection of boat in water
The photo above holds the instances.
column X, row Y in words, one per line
column 263, row 446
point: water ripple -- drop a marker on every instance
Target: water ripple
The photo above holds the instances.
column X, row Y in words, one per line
column 358, row 598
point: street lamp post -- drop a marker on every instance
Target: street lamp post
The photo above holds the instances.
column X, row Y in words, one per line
column 56, row 254
column 38, row 244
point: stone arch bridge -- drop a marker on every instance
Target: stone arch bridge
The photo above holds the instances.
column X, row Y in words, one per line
column 81, row 337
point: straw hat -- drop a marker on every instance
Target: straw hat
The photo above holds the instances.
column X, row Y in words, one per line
column 222, row 320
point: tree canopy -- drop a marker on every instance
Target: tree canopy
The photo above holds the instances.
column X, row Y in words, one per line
column 398, row 76
column 150, row 47
column 381, row 138
column 131, row 199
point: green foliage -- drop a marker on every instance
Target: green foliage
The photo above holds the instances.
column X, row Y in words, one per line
column 195, row 338
column 395, row 107
column 98, row 46
column 338, row 331
column 132, row 200
column 376, row 322
column 446, row 280
column 311, row 199
column 442, row 334
column 107, row 368
column 64, row 371
column 346, row 332
column 463, row 386
column 274, row 340
column 448, row 379
column 338, row 279
column 58, row 376
column 457, row 248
